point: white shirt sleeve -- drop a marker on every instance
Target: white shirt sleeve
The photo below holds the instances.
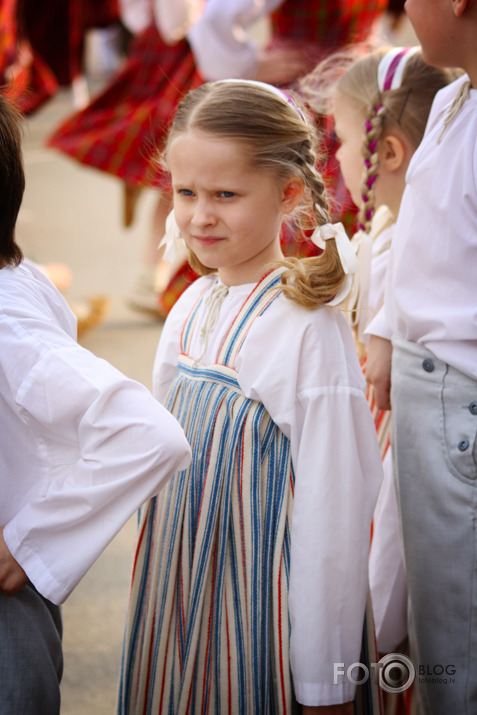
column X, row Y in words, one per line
column 219, row 40
column 175, row 17
column 311, row 383
column 379, row 325
column 136, row 14
column 110, row 446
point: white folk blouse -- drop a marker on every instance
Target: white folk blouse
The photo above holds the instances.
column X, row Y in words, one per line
column 81, row 445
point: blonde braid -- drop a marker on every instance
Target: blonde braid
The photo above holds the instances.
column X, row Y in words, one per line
column 312, row 282
column 373, row 130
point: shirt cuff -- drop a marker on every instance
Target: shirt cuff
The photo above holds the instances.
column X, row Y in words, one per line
column 379, row 326
column 315, row 694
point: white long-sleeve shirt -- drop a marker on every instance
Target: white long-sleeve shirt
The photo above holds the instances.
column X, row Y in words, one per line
column 81, row 445
column 302, row 366
column 431, row 290
column 221, row 40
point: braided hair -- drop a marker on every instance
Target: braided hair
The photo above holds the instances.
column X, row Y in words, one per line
column 392, row 88
column 276, row 137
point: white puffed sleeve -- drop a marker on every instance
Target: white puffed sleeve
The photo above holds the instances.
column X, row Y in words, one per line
column 108, row 445
column 308, row 376
column 136, row 14
column 219, row 39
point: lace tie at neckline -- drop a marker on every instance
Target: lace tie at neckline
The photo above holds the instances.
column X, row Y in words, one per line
column 213, row 304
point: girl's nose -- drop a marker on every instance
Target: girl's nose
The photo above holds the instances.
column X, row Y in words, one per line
column 204, row 214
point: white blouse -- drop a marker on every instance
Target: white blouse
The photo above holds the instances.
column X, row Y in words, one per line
column 221, row 39
column 81, row 445
column 302, row 365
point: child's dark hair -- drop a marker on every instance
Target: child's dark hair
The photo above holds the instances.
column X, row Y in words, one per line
column 276, row 138
column 12, row 180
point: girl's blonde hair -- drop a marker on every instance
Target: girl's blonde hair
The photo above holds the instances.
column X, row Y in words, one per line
column 276, row 138
column 407, row 107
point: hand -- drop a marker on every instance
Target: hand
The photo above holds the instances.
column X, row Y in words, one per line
column 280, row 66
column 378, row 370
column 12, row 576
column 344, row 709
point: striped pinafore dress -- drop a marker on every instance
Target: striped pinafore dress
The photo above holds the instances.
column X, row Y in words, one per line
column 208, row 627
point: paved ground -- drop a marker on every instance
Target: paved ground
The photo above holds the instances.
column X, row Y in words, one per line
column 72, row 214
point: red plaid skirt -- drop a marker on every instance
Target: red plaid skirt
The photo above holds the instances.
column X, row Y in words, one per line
column 328, row 23
column 124, row 127
column 24, row 77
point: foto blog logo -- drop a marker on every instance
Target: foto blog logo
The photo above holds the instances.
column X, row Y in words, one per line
column 394, row 673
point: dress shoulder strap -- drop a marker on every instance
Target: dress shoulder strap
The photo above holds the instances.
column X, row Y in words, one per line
column 256, row 303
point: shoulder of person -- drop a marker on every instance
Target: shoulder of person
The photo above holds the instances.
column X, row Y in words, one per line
column 28, row 296
column 310, row 335
column 443, row 100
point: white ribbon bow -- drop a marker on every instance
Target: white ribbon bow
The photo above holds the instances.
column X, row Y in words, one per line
column 172, row 240
column 346, row 252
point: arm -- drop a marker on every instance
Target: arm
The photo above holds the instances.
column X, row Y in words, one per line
column 378, row 370
column 319, row 403
column 222, row 47
column 174, row 18
column 111, row 446
column 337, row 476
column 135, row 14
column 12, row 576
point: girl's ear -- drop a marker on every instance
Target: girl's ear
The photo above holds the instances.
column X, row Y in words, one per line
column 392, row 153
column 458, row 7
column 292, row 194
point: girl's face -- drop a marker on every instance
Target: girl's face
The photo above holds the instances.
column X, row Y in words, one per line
column 229, row 214
column 349, row 129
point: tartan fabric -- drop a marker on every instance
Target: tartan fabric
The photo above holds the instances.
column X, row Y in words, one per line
column 57, row 28
column 125, row 125
column 25, row 78
column 328, row 23
column 8, row 35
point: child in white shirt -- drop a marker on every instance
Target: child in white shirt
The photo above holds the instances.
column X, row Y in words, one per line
column 81, row 448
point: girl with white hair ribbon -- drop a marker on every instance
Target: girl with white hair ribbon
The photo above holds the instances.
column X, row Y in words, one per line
column 250, row 578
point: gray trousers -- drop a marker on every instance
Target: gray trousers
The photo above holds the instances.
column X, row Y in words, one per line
column 435, row 461
column 31, row 659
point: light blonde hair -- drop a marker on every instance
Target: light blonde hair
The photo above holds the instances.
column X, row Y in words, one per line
column 406, row 107
column 276, row 138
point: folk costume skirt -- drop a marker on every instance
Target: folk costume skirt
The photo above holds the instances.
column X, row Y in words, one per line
column 208, row 626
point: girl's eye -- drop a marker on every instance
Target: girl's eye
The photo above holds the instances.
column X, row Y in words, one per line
column 185, row 192
column 226, row 194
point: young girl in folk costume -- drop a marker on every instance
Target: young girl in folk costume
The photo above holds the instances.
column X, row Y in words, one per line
column 236, row 607
column 173, row 51
column 380, row 106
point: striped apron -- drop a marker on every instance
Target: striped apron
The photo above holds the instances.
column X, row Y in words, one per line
column 208, row 626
